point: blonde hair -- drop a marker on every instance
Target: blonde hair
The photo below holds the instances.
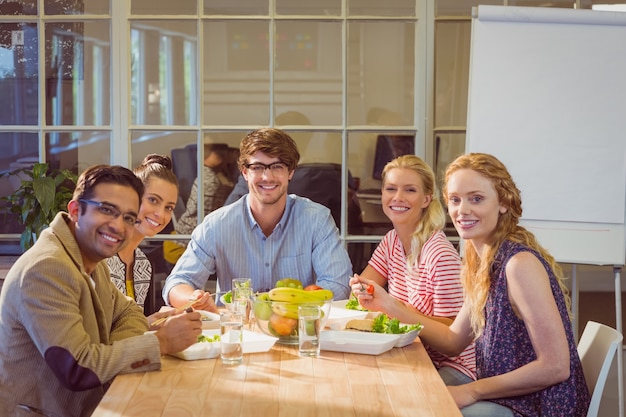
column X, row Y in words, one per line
column 475, row 274
column 433, row 217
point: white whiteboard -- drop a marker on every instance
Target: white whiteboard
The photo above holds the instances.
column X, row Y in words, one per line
column 547, row 96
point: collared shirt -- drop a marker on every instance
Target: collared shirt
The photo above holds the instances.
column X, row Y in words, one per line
column 230, row 243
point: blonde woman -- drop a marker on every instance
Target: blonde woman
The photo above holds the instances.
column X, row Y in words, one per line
column 415, row 261
column 516, row 308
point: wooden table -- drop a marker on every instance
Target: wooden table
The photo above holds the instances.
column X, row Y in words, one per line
column 400, row 382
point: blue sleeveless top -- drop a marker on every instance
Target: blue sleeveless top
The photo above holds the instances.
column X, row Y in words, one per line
column 505, row 345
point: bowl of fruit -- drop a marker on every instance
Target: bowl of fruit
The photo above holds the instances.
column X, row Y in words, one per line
column 276, row 311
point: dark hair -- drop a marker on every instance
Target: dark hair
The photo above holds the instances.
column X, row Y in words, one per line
column 105, row 174
column 223, row 152
column 270, row 141
column 155, row 165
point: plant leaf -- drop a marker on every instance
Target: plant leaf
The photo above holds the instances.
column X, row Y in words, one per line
column 44, row 189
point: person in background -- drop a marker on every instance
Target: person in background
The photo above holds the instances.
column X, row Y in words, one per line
column 516, row 305
column 131, row 271
column 415, row 261
column 217, row 186
column 66, row 330
column 266, row 235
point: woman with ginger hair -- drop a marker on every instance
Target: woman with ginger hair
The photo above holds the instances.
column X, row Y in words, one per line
column 516, row 309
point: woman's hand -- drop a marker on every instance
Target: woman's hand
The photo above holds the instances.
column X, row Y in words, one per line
column 462, row 395
column 370, row 295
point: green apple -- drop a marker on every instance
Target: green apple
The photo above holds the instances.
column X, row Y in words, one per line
column 312, row 328
column 262, row 308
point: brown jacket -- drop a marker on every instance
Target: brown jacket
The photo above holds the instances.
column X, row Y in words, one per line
column 63, row 334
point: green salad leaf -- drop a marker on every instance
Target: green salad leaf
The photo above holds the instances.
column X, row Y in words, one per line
column 228, row 297
column 203, row 338
column 383, row 324
column 353, row 304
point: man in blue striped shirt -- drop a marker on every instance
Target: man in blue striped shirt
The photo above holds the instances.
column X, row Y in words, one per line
column 266, row 235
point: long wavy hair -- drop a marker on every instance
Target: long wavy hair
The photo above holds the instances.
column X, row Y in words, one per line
column 475, row 273
column 433, row 217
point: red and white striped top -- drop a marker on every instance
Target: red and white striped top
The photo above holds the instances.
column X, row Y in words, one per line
column 434, row 290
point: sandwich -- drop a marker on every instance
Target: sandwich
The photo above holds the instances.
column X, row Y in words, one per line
column 363, row 325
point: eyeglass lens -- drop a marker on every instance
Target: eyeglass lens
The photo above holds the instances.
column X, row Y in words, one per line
column 111, row 211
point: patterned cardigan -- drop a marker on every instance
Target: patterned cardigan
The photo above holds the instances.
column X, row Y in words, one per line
column 142, row 275
column 64, row 334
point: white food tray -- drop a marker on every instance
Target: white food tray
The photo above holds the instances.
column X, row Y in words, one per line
column 209, row 320
column 252, row 343
column 340, row 315
column 357, row 342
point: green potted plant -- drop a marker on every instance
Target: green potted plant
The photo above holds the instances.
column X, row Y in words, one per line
column 42, row 193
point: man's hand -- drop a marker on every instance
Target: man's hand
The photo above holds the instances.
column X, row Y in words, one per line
column 181, row 294
column 157, row 317
column 204, row 301
column 179, row 332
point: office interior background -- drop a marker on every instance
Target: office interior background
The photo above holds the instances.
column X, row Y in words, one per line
column 355, row 82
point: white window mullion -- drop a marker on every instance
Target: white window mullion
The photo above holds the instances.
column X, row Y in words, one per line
column 98, row 88
column 168, row 82
column 424, row 78
column 41, row 36
column 344, row 122
column 272, row 52
column 120, row 73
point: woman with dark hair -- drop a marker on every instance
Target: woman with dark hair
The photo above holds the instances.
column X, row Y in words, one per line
column 131, row 271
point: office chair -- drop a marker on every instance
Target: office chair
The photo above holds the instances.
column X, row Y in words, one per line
column 597, row 347
column 319, row 182
column 185, row 166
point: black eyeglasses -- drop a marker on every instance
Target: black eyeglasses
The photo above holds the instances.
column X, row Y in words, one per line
column 113, row 212
column 276, row 168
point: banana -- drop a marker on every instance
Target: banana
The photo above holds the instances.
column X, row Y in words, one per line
column 298, row 296
column 286, row 310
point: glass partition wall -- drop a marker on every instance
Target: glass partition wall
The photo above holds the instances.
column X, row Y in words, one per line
column 109, row 82
column 355, row 82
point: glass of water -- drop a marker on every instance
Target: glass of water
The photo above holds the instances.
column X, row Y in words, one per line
column 309, row 320
column 231, row 338
column 242, row 292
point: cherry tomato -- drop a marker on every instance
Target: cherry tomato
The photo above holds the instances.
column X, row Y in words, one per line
column 369, row 289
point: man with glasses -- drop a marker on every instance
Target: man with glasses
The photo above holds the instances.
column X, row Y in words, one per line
column 65, row 330
column 266, row 235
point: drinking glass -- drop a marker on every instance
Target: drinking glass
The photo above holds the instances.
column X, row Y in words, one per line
column 242, row 292
column 309, row 320
column 231, row 338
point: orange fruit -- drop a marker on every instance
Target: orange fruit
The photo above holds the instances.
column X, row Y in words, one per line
column 282, row 326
